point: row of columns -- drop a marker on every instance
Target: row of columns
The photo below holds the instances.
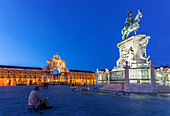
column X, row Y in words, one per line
column 13, row 82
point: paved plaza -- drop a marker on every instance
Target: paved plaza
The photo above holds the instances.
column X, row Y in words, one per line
column 13, row 102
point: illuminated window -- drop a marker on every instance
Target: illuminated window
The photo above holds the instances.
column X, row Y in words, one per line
column 30, row 75
column 8, row 74
column 39, row 75
column 14, row 74
column 35, row 75
column 19, row 74
column 2, row 74
column 25, row 75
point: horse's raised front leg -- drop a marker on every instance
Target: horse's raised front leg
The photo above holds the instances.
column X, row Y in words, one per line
column 122, row 37
column 127, row 34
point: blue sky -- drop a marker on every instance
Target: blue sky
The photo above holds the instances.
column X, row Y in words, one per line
column 85, row 33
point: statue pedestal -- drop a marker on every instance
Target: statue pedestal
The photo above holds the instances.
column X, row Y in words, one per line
column 133, row 50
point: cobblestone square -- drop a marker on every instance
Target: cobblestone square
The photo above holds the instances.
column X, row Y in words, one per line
column 13, row 102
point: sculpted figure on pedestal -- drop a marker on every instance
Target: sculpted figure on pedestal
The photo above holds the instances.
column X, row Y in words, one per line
column 124, row 53
column 131, row 25
column 130, row 56
column 142, row 52
column 129, row 20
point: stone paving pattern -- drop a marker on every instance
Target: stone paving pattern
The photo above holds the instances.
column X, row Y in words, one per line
column 13, row 102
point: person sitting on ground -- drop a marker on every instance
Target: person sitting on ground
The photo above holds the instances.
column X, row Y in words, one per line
column 73, row 87
column 36, row 101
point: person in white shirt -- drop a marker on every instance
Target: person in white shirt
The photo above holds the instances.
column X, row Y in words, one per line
column 35, row 99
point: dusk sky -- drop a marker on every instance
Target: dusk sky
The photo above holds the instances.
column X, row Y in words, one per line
column 85, row 33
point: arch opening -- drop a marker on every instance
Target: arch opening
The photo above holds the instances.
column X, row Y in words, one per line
column 56, row 74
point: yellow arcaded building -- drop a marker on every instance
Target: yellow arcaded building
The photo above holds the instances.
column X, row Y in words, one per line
column 80, row 77
column 19, row 75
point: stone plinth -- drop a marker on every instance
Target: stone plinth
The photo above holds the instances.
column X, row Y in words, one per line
column 133, row 50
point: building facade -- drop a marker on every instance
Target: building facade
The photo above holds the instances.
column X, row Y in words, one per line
column 162, row 75
column 82, row 77
column 18, row 75
column 68, row 76
column 78, row 77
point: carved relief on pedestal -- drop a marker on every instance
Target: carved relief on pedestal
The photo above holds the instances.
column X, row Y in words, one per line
column 143, row 45
column 133, row 50
column 126, row 54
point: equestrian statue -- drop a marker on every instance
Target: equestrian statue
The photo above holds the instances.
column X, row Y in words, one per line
column 131, row 24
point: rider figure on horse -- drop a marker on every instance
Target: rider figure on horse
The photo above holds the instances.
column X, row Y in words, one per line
column 129, row 19
column 131, row 24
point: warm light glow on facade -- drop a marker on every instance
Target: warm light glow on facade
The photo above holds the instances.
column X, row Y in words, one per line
column 16, row 75
column 81, row 78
